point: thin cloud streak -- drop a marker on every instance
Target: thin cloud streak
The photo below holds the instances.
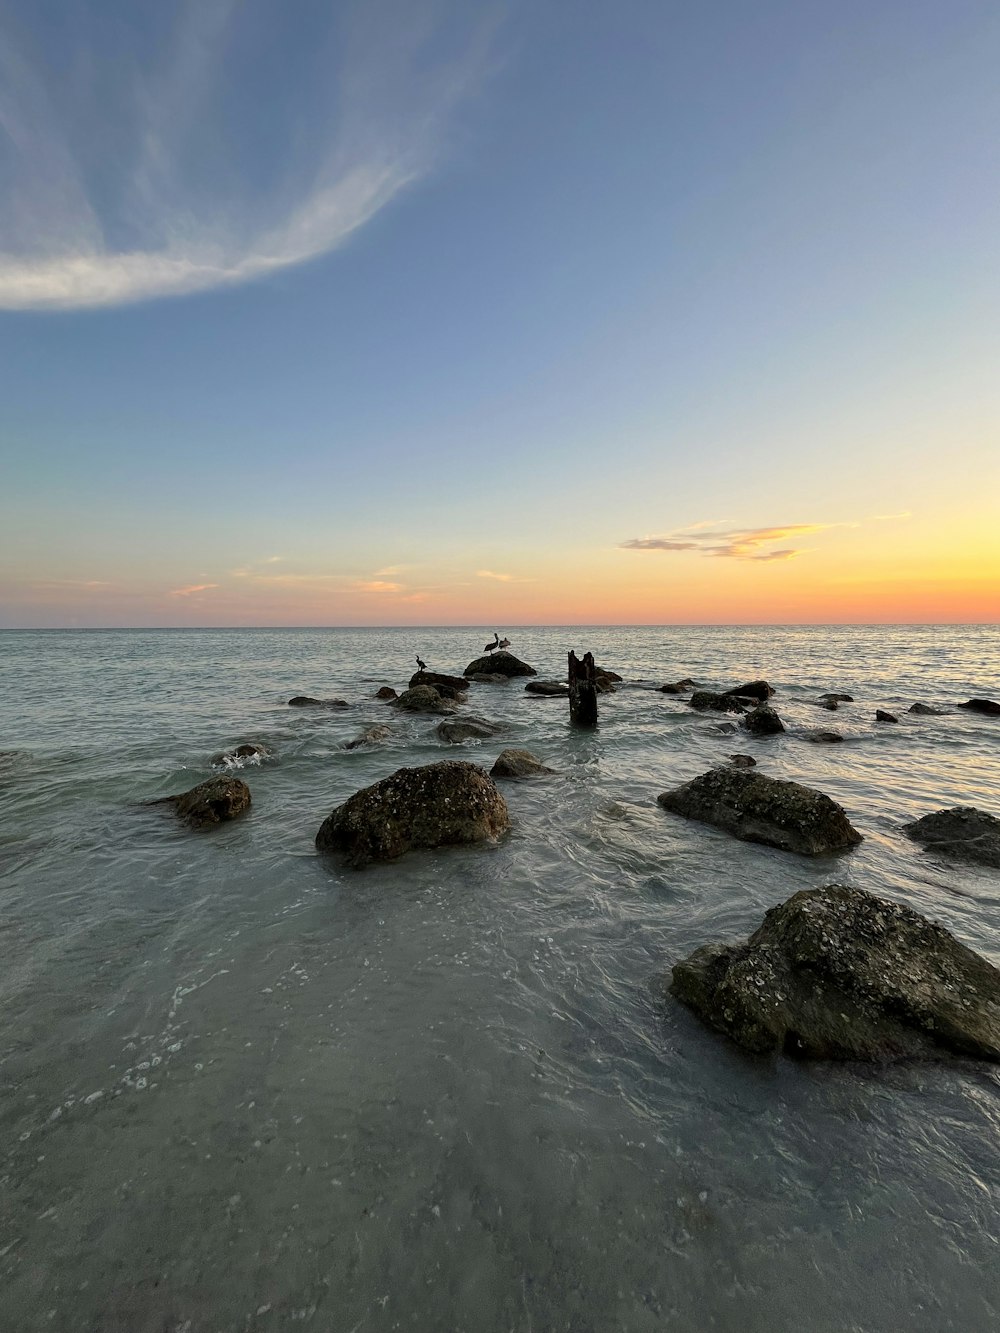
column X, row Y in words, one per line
column 194, row 588
column 388, row 107
column 736, row 544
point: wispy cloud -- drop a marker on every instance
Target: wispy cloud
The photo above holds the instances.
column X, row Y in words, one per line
column 123, row 182
column 192, row 589
column 733, row 544
column 378, row 585
column 489, row 574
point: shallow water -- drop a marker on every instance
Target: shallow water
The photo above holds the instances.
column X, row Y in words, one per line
column 244, row 1088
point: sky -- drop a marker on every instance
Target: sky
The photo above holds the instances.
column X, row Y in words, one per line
column 499, row 313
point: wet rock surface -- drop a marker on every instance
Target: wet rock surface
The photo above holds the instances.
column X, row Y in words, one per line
column 755, row 808
column 823, row 737
column 962, row 831
column 213, row 802
column 456, row 730
column 832, row 697
column 881, row 715
column 435, row 805
column 708, row 701
column 926, row 710
column 839, row 974
column 499, row 664
column 306, row 701
column 438, row 679
column 763, row 721
column 370, row 736
column 988, row 707
column 743, row 761
column 549, row 689
column 753, row 689
column 677, row 687
column 515, row 763
column 422, row 699
column 239, row 755
column 386, row 692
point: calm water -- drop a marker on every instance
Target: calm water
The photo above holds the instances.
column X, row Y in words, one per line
column 245, row 1089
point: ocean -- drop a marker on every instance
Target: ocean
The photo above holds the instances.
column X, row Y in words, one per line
column 246, row 1088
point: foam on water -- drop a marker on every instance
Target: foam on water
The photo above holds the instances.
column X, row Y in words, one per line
column 245, row 1089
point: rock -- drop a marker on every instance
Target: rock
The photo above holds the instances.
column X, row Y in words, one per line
column 743, row 761
column 468, row 729
column 987, row 706
column 838, row 974
column 963, row 831
column 422, row 699
column 304, row 701
column 753, row 689
column 386, row 692
column 489, row 678
column 612, row 676
column 515, row 763
column 823, row 737
column 763, row 721
column 213, row 802
column 726, row 728
column 828, row 702
column 706, row 701
column 882, row 716
column 370, row 736
column 240, row 755
column 437, row 679
column 678, row 687
column 550, row 689
column 756, row 808
column 926, row 710
column 499, row 664
column 604, row 685
column 836, row 698
column 435, row 805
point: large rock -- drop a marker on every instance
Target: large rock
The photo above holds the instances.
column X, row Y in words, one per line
column 756, row 808
column 499, row 664
column 438, row 679
column 436, row 805
column 306, row 701
column 707, row 701
column 213, row 802
column 549, row 689
column 454, row 731
column 836, row 973
column 422, row 699
column 753, row 689
column 988, row 706
column 763, row 721
column 962, row 831
column 514, row 763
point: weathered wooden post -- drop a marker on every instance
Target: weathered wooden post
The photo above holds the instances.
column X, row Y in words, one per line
column 582, row 691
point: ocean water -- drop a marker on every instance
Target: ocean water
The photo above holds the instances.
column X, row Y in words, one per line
column 244, row 1088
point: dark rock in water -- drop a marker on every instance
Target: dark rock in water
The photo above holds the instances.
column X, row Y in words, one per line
column 678, row 687
column 763, row 721
column 386, row 692
column 823, row 737
column 987, row 706
column 756, row 808
column 449, row 693
column 963, row 831
column 926, row 710
column 707, row 701
column 435, row 805
column 489, row 678
column 550, row 689
column 516, row 763
column 743, row 761
column 882, row 716
column 836, row 698
column 605, row 685
column 304, row 701
column 213, row 802
column 838, row 974
column 612, row 676
column 726, row 728
column 422, row 699
column 438, row 679
column 753, row 689
column 499, row 664
column 828, row 702
column 230, row 758
column 370, row 736
column 468, row 729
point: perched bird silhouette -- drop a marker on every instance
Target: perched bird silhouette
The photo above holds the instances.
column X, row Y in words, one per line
column 489, row 648
column 421, row 665
column 504, row 643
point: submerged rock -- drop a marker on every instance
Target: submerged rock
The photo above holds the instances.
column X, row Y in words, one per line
column 763, row 721
column 838, row 974
column 438, row 679
column 830, row 697
column 989, row 707
column 489, row 678
column 549, row 689
column 926, row 710
column 743, row 761
column 756, row 808
column 753, row 689
column 239, row 755
column 370, row 736
column 678, row 687
column 963, row 831
column 468, row 729
column 435, row 805
column 882, row 716
column 386, row 692
column 828, row 702
column 213, row 802
column 305, row 701
column 499, row 664
column 514, row 763
column 823, row 737
column 422, row 699
column 708, row 701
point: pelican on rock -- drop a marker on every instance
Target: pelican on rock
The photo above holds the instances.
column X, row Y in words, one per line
column 504, row 643
column 491, row 647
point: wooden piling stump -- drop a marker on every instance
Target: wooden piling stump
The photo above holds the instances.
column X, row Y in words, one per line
column 582, row 691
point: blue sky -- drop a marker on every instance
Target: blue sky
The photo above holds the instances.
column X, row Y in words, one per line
column 367, row 313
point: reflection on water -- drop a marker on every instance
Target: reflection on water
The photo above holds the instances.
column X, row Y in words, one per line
column 244, row 1089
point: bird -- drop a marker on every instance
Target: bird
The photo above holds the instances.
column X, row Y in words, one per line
column 421, row 665
column 504, row 643
column 495, row 644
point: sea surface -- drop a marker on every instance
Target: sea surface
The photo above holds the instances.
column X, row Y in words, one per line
column 245, row 1088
